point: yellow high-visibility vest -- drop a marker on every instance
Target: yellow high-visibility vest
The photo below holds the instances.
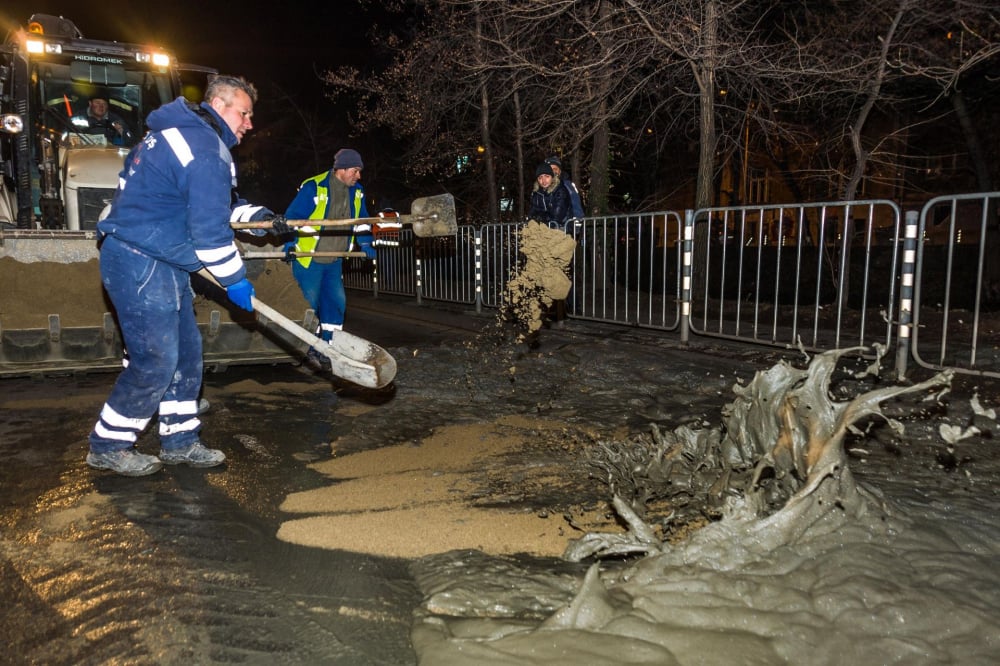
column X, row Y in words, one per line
column 308, row 241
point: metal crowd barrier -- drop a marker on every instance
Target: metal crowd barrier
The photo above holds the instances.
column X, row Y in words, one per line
column 817, row 276
column 820, row 275
column 956, row 274
column 626, row 269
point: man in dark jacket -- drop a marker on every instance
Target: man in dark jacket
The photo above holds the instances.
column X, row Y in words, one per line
column 171, row 217
column 550, row 205
column 576, row 203
column 549, row 200
column 101, row 120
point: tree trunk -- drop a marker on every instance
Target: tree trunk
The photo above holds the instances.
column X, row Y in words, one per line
column 600, row 158
column 600, row 181
column 493, row 204
column 491, row 177
column 705, row 76
column 973, row 143
column 985, row 184
column 872, row 96
column 519, row 151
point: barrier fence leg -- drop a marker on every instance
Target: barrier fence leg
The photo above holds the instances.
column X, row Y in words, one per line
column 686, row 267
column 911, row 227
column 479, row 272
column 418, row 267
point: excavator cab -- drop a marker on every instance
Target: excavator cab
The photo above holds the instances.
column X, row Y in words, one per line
column 58, row 172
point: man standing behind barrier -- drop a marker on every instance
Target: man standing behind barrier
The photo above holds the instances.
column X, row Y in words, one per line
column 169, row 218
column 336, row 194
column 550, row 205
column 576, row 203
column 549, row 199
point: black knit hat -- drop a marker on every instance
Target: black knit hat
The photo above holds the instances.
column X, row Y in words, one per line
column 543, row 170
column 554, row 161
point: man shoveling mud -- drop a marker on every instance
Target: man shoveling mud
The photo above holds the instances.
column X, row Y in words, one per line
column 170, row 217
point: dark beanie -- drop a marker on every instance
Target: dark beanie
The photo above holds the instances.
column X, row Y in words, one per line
column 554, row 161
column 543, row 170
column 346, row 158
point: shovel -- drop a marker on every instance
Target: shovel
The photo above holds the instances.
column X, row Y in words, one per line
column 351, row 357
column 429, row 216
column 296, row 255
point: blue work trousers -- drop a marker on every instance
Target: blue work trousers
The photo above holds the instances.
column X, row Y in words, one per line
column 154, row 303
column 322, row 286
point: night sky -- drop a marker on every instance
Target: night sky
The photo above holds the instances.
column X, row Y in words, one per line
column 270, row 45
column 282, row 51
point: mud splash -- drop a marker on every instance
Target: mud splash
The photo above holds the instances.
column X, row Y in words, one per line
column 542, row 279
column 803, row 560
column 774, row 470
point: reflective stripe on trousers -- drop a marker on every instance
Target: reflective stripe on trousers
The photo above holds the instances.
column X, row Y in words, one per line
column 154, row 303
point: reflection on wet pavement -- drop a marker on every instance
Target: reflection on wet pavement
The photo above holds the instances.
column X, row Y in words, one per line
column 183, row 566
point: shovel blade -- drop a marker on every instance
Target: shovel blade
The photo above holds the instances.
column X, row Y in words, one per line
column 358, row 360
column 434, row 216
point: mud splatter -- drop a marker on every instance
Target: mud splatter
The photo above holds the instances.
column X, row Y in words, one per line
column 542, row 279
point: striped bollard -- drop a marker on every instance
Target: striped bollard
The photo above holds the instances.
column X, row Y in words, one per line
column 479, row 271
column 686, row 266
column 911, row 227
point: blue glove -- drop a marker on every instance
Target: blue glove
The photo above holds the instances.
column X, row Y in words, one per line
column 369, row 250
column 241, row 294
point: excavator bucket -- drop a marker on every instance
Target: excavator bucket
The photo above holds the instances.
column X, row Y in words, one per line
column 56, row 319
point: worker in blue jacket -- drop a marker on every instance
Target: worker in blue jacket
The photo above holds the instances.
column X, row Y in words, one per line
column 336, row 194
column 170, row 217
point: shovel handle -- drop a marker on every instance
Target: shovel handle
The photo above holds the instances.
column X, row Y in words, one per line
column 376, row 371
column 401, row 219
column 295, row 255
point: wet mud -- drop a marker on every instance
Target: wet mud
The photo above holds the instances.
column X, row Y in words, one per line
column 181, row 567
column 190, row 566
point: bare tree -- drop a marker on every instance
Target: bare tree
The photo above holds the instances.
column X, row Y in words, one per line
column 825, row 84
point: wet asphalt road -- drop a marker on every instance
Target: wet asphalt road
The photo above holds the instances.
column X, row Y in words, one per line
column 183, row 567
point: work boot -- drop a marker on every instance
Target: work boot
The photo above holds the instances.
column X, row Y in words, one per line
column 196, row 455
column 319, row 360
column 203, row 406
column 127, row 462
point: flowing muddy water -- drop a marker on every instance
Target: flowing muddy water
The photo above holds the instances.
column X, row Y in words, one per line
column 842, row 573
column 437, row 512
column 478, row 469
column 497, row 489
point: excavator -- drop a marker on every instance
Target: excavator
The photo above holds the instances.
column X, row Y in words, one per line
column 57, row 176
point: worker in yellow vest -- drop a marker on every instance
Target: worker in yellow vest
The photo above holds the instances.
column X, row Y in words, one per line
column 333, row 195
